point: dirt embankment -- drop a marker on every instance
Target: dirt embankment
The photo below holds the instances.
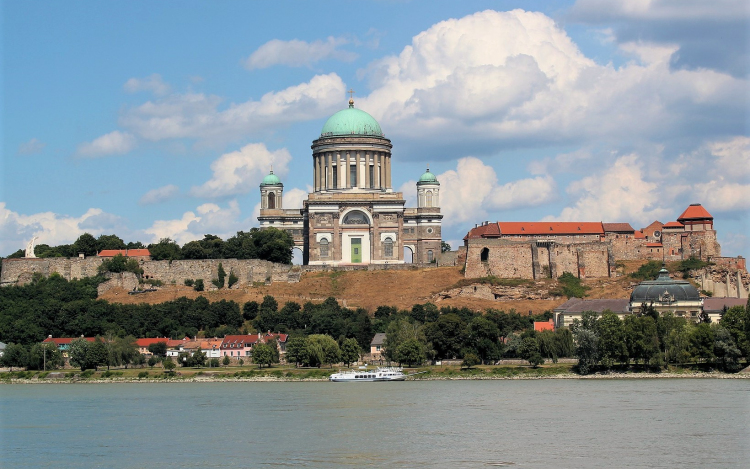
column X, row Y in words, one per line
column 370, row 289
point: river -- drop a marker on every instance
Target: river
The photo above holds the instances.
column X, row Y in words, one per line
column 560, row 423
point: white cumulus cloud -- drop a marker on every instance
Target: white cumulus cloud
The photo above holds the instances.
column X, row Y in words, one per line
column 296, row 53
column 54, row 229
column 32, row 146
column 241, row 171
column 113, row 143
column 206, row 219
column 198, row 116
column 152, row 83
column 158, row 195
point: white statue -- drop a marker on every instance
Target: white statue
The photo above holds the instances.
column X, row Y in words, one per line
column 30, row 247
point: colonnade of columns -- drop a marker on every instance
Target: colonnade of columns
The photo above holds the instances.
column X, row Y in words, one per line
column 333, row 170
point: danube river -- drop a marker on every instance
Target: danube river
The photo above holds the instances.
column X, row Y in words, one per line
column 560, row 423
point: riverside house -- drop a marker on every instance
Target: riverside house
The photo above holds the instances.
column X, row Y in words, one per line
column 241, row 346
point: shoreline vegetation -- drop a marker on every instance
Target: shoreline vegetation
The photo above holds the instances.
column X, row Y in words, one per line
column 203, row 375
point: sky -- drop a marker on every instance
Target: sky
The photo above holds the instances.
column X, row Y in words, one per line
column 159, row 119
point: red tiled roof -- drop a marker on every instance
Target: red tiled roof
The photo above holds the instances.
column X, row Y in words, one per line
column 673, row 224
column 536, row 228
column 544, row 326
column 695, row 212
column 489, row 230
column 124, row 252
column 147, row 342
column 639, row 235
column 654, row 245
column 65, row 340
column 618, row 227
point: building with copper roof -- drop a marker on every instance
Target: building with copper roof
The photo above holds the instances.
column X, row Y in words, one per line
column 353, row 216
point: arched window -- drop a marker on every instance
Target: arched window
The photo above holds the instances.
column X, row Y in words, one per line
column 485, row 256
column 323, row 247
column 430, row 256
column 388, row 247
column 355, row 217
column 271, row 200
column 429, row 199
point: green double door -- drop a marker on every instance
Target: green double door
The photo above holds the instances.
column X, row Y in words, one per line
column 356, row 250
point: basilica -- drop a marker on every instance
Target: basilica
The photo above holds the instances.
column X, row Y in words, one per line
column 353, row 216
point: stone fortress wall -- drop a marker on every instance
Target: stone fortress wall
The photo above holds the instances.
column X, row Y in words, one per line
column 20, row 271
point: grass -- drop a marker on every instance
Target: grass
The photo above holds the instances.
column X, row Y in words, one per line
column 494, row 281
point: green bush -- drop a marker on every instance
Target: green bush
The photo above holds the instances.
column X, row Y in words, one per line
column 87, row 374
column 143, row 374
column 189, row 282
column 569, row 285
column 198, row 285
column 232, row 278
column 648, row 271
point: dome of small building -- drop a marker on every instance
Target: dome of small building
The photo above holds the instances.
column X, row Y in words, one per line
column 351, row 121
column 428, row 178
column 271, row 180
column 664, row 290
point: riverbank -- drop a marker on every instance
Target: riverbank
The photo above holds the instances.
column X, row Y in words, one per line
column 556, row 371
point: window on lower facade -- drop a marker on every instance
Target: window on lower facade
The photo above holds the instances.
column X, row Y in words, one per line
column 430, row 256
column 323, row 247
column 388, row 247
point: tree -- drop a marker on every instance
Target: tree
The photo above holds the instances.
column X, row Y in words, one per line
column 168, row 365
column 398, row 332
column 470, row 360
column 153, row 360
column 446, row 335
column 221, row 276
column 702, row 342
column 86, row 244
column 444, row 247
column 158, row 348
column 612, row 346
column 273, row 245
column 198, row 285
column 194, row 250
column 226, row 360
column 250, row 310
column 109, row 242
column 240, row 246
column 349, row 351
column 411, row 352
column 726, row 350
column 262, row 355
column 586, row 350
column 96, row 354
column 483, row 338
column 78, row 353
column 14, row 355
column 45, row 356
column 232, row 278
column 529, row 351
column 322, row 349
column 296, row 350
column 165, row 249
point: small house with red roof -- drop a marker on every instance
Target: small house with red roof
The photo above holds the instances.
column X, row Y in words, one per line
column 63, row 343
column 540, row 326
column 241, row 346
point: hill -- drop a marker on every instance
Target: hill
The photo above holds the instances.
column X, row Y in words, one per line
column 444, row 286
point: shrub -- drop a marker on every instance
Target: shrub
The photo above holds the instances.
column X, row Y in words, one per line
column 648, row 271
column 570, row 286
column 189, row 282
column 143, row 374
column 232, row 278
column 198, row 285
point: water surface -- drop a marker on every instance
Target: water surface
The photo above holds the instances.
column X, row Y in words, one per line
column 444, row 424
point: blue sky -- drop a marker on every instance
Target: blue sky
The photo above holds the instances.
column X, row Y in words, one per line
column 159, row 119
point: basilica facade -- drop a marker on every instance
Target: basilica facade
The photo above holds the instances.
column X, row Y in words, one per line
column 353, row 216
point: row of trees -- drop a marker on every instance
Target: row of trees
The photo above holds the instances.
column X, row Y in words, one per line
column 269, row 244
column 654, row 340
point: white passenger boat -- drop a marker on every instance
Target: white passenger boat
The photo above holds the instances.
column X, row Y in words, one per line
column 378, row 374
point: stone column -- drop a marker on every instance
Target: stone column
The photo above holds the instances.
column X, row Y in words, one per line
column 387, row 172
column 329, row 171
column 347, row 179
column 358, row 182
column 367, row 170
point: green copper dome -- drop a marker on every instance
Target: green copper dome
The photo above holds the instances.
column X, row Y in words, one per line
column 428, row 178
column 271, row 180
column 351, row 122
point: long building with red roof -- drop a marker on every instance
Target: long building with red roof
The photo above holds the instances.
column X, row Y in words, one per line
column 586, row 249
